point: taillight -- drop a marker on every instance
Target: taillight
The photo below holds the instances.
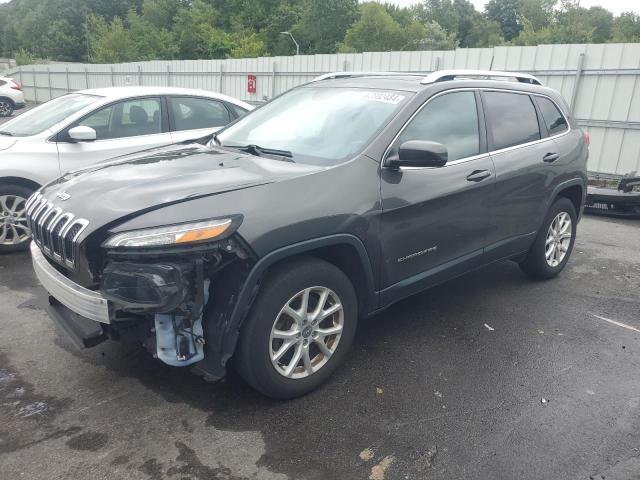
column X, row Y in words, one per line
column 587, row 138
column 15, row 85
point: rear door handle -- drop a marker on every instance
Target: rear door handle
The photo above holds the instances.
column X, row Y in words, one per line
column 550, row 157
column 478, row 175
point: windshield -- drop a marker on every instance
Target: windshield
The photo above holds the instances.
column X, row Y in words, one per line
column 320, row 126
column 47, row 115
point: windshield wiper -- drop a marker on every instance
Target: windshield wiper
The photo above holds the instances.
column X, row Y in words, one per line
column 259, row 151
column 8, row 134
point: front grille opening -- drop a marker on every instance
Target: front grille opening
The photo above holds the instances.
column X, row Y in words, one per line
column 69, row 243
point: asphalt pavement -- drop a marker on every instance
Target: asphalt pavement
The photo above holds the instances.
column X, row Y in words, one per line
column 490, row 376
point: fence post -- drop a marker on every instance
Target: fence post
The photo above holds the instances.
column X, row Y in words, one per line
column 437, row 64
column 112, row 79
column 86, row 76
column 168, row 75
column 139, row 75
column 35, row 86
column 66, row 70
column 576, row 83
column 273, row 80
column 20, row 75
column 49, row 81
column 220, row 79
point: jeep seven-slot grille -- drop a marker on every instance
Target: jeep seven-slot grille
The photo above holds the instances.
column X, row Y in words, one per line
column 55, row 231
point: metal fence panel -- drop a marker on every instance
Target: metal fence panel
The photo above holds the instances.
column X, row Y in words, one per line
column 599, row 81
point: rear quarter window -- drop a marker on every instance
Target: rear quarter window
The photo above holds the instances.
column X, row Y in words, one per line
column 512, row 119
column 553, row 118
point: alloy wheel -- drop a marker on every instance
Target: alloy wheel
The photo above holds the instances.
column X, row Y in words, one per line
column 558, row 239
column 13, row 220
column 306, row 332
column 5, row 108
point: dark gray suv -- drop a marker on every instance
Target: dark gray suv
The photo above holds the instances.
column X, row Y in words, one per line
column 265, row 244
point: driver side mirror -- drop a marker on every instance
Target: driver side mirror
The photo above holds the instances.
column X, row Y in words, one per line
column 419, row 153
column 82, row 134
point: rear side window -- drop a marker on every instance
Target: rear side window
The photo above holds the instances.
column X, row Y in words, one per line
column 192, row 113
column 2, row 83
column 512, row 119
column 450, row 119
column 553, row 118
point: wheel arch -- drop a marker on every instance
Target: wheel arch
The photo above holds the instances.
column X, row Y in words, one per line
column 346, row 251
column 2, row 97
column 574, row 190
column 21, row 181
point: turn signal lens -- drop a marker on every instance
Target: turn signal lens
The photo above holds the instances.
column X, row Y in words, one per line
column 202, row 234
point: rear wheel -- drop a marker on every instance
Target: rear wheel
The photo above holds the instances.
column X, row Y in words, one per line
column 299, row 329
column 554, row 243
column 6, row 107
column 14, row 231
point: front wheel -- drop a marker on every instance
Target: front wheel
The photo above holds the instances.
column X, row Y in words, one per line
column 14, row 231
column 553, row 245
column 299, row 329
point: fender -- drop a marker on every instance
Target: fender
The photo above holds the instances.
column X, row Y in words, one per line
column 582, row 182
column 215, row 368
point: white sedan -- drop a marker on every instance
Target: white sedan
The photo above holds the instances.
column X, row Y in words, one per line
column 90, row 126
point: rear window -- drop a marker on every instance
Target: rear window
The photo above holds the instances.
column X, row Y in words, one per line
column 512, row 119
column 553, row 118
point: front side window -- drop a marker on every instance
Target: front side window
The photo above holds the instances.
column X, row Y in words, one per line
column 318, row 125
column 131, row 118
column 192, row 113
column 512, row 119
column 450, row 119
column 47, row 115
column 553, row 119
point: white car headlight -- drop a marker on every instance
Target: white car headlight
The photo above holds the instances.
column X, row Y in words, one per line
column 170, row 235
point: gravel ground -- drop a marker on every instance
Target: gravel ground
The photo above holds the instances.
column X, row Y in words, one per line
column 488, row 376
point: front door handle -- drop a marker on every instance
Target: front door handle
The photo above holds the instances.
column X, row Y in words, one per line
column 550, row 157
column 478, row 175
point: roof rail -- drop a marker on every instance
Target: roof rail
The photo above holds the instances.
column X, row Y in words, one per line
column 445, row 75
column 328, row 76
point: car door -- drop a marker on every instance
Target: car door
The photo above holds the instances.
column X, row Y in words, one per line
column 434, row 221
column 521, row 154
column 195, row 117
column 121, row 128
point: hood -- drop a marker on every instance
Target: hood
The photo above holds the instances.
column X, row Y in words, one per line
column 6, row 142
column 149, row 180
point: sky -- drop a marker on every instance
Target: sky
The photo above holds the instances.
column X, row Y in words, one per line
column 615, row 6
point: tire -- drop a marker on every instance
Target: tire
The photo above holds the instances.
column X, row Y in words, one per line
column 537, row 264
column 12, row 201
column 6, row 107
column 285, row 286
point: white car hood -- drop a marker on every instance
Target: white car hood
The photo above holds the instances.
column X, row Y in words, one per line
column 6, row 142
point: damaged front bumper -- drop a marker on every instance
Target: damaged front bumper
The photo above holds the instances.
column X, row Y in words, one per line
column 160, row 301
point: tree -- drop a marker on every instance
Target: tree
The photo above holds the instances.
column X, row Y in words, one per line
column 506, row 13
column 626, row 28
column 434, row 37
column 375, row 31
column 108, row 42
column 323, row 24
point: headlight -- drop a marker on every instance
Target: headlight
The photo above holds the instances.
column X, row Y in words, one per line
column 171, row 235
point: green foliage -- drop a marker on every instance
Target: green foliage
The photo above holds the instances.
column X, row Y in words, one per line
column 25, row 58
column 132, row 30
column 626, row 28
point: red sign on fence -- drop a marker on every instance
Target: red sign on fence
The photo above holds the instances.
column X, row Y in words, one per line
column 252, row 82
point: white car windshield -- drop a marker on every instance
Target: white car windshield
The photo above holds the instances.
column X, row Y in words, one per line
column 47, row 115
column 317, row 125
